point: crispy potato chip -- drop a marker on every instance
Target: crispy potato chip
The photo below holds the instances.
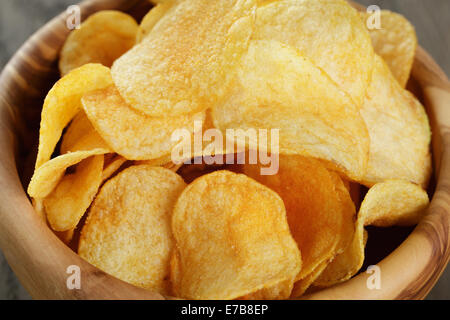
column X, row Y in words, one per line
column 399, row 131
column 152, row 18
column 127, row 233
column 186, row 62
column 395, row 42
column 225, row 225
column 47, row 177
column 130, row 133
column 112, row 167
column 102, row 38
column 394, row 203
column 68, row 202
column 63, row 102
column 81, row 136
column 389, row 203
column 319, row 209
column 279, row 89
column 330, row 33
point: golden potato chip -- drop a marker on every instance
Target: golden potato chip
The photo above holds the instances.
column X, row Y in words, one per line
column 112, row 167
column 81, row 136
column 279, row 89
column 399, row 131
column 102, row 38
column 389, row 203
column 186, row 62
column 73, row 195
column 127, row 233
column 394, row 203
column 232, row 239
column 63, row 102
column 152, row 18
column 395, row 41
column 130, row 133
column 47, row 177
column 319, row 209
column 330, row 33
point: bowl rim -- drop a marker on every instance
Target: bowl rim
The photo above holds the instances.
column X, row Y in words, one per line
column 40, row 259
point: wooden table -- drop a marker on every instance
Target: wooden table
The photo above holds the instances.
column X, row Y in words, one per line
column 20, row 18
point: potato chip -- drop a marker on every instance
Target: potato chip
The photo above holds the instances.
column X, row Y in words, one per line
column 152, row 18
column 63, row 102
column 319, row 209
column 395, row 41
column 47, row 177
column 186, row 62
column 130, row 133
column 102, row 38
column 389, row 203
column 394, row 203
column 112, row 167
column 399, row 131
column 232, row 239
column 73, row 195
column 279, row 89
column 127, row 233
column 81, row 136
column 330, row 33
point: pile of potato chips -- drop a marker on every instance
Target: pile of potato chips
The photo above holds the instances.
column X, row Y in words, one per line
column 105, row 182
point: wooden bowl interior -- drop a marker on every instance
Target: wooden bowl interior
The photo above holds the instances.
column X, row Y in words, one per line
column 33, row 72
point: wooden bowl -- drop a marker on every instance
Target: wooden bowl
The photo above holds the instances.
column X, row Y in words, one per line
column 40, row 259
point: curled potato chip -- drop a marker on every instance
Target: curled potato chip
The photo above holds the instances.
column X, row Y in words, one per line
column 393, row 202
column 232, row 239
column 152, row 18
column 130, row 133
column 73, row 195
column 319, row 209
column 328, row 32
column 63, row 102
column 399, row 131
column 127, row 233
column 81, row 136
column 47, row 176
column 279, row 89
column 102, row 38
column 185, row 63
column 395, row 41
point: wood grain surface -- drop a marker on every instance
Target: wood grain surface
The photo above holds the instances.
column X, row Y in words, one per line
column 20, row 18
